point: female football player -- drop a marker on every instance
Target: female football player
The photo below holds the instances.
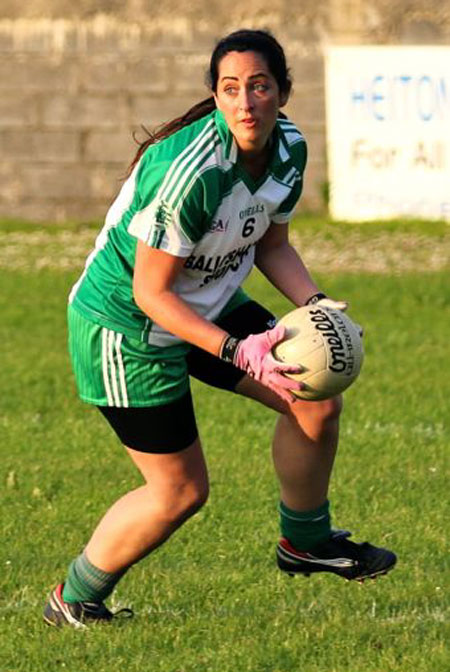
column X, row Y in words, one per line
column 208, row 197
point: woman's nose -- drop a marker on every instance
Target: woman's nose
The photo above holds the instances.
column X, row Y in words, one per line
column 245, row 100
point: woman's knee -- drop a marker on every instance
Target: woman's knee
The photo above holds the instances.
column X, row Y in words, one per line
column 181, row 500
column 177, row 483
column 196, row 497
column 330, row 409
column 323, row 412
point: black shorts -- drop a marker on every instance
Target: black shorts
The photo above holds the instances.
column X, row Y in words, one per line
column 172, row 427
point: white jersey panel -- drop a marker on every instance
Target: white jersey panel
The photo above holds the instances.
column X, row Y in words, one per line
column 223, row 258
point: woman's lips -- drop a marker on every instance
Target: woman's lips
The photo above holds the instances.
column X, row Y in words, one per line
column 249, row 123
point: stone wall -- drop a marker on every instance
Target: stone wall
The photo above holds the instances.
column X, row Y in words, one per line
column 77, row 79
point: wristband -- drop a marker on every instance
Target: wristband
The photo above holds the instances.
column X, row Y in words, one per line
column 228, row 349
column 315, row 298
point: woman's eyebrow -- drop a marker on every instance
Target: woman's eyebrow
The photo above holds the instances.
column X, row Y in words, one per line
column 258, row 74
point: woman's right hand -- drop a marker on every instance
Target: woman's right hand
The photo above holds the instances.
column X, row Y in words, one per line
column 254, row 356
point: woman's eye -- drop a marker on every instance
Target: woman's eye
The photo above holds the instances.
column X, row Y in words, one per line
column 230, row 90
column 261, row 88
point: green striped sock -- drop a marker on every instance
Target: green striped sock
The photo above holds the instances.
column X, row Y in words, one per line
column 305, row 529
column 87, row 583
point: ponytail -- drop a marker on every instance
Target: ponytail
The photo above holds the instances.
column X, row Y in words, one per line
column 196, row 112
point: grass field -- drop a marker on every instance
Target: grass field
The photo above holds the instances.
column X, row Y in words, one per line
column 212, row 600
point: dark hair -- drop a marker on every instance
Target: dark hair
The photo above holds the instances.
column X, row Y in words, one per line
column 261, row 41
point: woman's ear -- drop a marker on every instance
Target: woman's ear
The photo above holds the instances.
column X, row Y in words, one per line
column 284, row 96
column 216, row 101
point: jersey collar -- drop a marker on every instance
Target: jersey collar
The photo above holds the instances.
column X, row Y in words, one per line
column 280, row 152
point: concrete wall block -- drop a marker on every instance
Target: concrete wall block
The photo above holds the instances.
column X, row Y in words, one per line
column 57, row 182
column 106, row 180
column 306, row 106
column 6, row 40
column 84, row 211
column 149, row 73
column 84, row 184
column 316, row 142
column 153, row 111
column 85, row 111
column 126, row 37
column 11, row 184
column 31, row 72
column 35, row 28
column 117, row 73
column 116, row 39
column 37, row 145
column 34, row 211
column 18, row 109
column 307, row 71
column 176, row 31
column 38, row 35
column 315, row 184
column 54, row 211
column 310, row 202
column 189, row 72
column 101, row 73
column 116, row 146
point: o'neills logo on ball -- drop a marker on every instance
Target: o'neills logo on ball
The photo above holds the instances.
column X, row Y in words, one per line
column 341, row 353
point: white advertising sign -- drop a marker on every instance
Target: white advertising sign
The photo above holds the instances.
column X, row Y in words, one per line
column 388, row 132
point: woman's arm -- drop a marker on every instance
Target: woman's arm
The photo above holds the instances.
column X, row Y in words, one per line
column 282, row 266
column 154, row 274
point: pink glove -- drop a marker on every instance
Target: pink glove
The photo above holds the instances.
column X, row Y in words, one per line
column 254, row 356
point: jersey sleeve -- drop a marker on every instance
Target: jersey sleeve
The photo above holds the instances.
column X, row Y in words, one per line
column 169, row 213
column 298, row 152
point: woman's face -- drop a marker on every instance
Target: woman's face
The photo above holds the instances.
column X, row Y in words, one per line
column 249, row 97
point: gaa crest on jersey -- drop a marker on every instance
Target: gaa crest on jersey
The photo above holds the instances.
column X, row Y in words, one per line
column 219, row 225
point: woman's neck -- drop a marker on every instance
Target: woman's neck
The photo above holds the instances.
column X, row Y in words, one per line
column 255, row 163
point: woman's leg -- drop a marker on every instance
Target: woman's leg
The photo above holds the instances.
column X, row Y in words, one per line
column 304, row 449
column 304, row 445
column 176, row 486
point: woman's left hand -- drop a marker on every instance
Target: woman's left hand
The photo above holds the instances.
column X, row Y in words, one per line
column 331, row 303
column 338, row 305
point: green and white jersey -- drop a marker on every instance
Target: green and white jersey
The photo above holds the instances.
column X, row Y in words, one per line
column 190, row 197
